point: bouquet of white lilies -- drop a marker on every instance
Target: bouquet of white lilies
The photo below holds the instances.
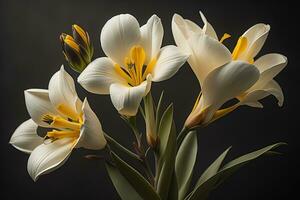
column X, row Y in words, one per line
column 134, row 58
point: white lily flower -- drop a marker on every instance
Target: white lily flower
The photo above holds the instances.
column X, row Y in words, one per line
column 73, row 124
column 224, row 75
column 247, row 47
column 134, row 59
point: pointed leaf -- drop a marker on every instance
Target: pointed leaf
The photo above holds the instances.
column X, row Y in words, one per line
column 168, row 163
column 165, row 130
column 123, row 187
column 185, row 161
column 159, row 109
column 213, row 168
column 202, row 191
column 137, row 181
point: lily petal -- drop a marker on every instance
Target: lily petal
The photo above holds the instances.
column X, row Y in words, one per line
column 127, row 99
column 118, row 35
column 272, row 88
column 207, row 55
column 207, row 28
column 170, row 59
column 62, row 91
column 269, row 66
column 151, row 37
column 91, row 136
column 99, row 75
column 182, row 30
column 25, row 137
column 256, row 37
column 227, row 82
column 38, row 105
column 48, row 157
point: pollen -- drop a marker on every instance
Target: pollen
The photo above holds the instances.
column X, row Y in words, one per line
column 135, row 69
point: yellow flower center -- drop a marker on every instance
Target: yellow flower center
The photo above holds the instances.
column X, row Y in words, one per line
column 135, row 71
column 67, row 127
column 239, row 48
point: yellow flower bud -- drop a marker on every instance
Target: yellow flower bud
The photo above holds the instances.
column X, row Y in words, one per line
column 77, row 49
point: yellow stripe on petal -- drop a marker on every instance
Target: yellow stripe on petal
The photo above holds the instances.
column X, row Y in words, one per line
column 81, row 32
column 240, row 47
column 149, row 68
column 138, row 57
column 123, row 74
column 69, row 40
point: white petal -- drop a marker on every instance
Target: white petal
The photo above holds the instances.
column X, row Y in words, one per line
column 99, row 75
column 227, row 82
column 170, row 59
column 151, row 37
column 271, row 88
column 207, row 28
column 118, row 35
column 25, row 137
column 91, row 136
column 207, row 55
column 127, row 99
column 269, row 66
column 62, row 90
column 48, row 157
column 182, row 30
column 256, row 37
column 38, row 104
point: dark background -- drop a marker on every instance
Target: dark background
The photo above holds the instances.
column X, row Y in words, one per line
column 30, row 53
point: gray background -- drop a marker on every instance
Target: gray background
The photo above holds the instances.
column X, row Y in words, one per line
column 30, row 53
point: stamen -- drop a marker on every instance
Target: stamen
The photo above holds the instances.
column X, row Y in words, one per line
column 67, row 111
column 149, row 68
column 224, row 37
column 123, row 74
column 59, row 122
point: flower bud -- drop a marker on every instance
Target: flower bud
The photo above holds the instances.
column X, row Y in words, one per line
column 151, row 132
column 77, row 49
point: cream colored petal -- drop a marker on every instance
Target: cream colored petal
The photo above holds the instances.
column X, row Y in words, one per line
column 271, row 88
column 269, row 66
column 62, row 91
column 169, row 60
column 151, row 37
column 48, row 157
column 227, row 82
column 38, row 104
column 91, row 135
column 25, row 137
column 182, row 30
column 99, row 75
column 207, row 28
column 256, row 37
column 127, row 99
column 118, row 35
column 207, row 55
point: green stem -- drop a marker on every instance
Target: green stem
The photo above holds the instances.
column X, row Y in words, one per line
column 117, row 145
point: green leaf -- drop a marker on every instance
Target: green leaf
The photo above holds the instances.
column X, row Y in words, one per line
column 159, row 109
column 165, row 130
column 213, row 168
column 173, row 191
column 167, row 171
column 202, row 191
column 185, row 161
column 123, row 187
column 137, row 181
